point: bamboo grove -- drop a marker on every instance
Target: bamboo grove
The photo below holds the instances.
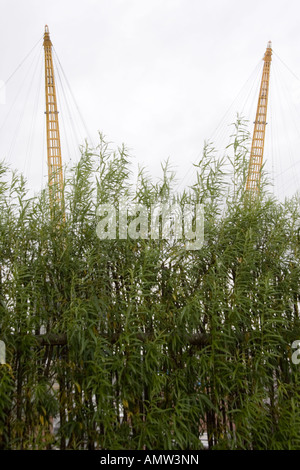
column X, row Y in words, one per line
column 141, row 344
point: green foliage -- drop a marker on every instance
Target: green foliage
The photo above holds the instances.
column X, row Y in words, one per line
column 160, row 344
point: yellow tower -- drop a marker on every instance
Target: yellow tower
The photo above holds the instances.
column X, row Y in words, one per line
column 258, row 140
column 55, row 172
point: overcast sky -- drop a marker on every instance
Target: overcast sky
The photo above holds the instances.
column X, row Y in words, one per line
column 157, row 75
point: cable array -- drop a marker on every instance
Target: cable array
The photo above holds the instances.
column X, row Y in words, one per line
column 22, row 125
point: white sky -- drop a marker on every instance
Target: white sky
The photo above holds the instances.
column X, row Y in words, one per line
column 158, row 75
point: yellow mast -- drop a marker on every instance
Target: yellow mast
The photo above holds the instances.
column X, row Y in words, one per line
column 55, row 172
column 258, row 140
